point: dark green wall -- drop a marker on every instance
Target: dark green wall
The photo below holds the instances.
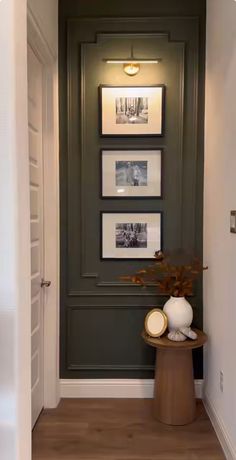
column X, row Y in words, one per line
column 101, row 319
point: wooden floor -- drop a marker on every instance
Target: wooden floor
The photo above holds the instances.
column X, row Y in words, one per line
column 120, row 429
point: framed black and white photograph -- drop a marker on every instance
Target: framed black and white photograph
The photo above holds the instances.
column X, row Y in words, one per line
column 131, row 173
column 131, row 110
column 130, row 235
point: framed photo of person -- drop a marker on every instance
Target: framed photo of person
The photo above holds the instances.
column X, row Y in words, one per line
column 131, row 173
column 130, row 235
column 131, row 111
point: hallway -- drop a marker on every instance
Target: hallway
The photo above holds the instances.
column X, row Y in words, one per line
column 120, row 429
column 117, row 134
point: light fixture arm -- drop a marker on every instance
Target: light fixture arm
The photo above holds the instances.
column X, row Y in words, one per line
column 131, row 65
column 132, row 52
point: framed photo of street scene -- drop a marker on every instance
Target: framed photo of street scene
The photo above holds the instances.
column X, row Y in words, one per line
column 131, row 111
column 131, row 173
column 130, row 235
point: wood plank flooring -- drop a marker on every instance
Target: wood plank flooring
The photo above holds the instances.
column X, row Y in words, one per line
column 120, row 429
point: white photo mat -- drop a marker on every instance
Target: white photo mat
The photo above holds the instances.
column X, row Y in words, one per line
column 151, row 184
column 153, row 224
column 154, row 122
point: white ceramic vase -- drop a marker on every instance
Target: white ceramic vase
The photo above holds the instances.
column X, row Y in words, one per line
column 179, row 313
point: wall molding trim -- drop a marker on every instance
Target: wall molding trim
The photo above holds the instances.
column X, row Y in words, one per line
column 35, row 29
column 89, row 30
column 113, row 388
column 220, row 429
column 86, row 280
column 39, row 45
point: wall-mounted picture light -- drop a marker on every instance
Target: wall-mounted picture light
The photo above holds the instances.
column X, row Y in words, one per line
column 131, row 65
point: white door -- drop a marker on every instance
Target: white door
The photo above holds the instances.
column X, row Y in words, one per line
column 35, row 116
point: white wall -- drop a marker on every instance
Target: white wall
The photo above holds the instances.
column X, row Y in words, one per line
column 15, row 439
column 220, row 198
column 15, row 311
column 46, row 13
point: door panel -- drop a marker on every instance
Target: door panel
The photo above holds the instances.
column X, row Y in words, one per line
column 35, row 314
column 35, row 95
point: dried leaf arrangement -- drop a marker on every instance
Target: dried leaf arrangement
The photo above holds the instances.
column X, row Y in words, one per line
column 172, row 273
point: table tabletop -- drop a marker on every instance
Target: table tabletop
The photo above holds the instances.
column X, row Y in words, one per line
column 165, row 343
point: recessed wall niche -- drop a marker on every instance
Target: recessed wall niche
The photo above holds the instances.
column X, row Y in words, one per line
column 93, row 296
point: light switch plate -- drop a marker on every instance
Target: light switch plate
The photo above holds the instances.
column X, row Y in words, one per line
column 233, row 221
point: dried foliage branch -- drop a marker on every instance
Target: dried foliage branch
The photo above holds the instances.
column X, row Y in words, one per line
column 172, row 274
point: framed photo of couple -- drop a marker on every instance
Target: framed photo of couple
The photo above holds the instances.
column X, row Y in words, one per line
column 131, row 173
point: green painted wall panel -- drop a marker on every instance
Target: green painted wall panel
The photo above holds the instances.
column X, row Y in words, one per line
column 101, row 319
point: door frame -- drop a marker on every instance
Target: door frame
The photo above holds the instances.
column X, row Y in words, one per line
column 50, row 167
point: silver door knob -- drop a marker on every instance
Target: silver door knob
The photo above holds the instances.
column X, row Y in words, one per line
column 45, row 283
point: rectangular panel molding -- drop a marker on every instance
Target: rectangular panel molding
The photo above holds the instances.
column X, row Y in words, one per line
column 92, row 48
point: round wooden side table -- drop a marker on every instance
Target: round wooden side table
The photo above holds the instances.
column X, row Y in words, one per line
column 174, row 393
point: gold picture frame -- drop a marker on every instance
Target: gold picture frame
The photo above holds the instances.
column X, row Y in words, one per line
column 155, row 323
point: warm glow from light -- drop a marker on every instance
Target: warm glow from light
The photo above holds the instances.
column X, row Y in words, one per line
column 131, row 69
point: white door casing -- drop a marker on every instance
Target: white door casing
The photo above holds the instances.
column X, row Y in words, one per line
column 15, row 302
column 47, row 60
column 35, row 126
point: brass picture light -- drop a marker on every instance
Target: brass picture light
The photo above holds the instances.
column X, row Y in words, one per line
column 131, row 65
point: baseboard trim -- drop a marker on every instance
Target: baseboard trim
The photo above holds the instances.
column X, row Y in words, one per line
column 113, row 388
column 220, row 429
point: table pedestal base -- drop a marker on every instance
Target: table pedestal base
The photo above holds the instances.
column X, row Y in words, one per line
column 174, row 394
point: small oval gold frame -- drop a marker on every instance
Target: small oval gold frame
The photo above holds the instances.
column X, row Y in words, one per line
column 165, row 319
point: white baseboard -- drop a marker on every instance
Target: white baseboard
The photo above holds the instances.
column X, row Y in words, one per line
column 220, row 429
column 113, row 388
